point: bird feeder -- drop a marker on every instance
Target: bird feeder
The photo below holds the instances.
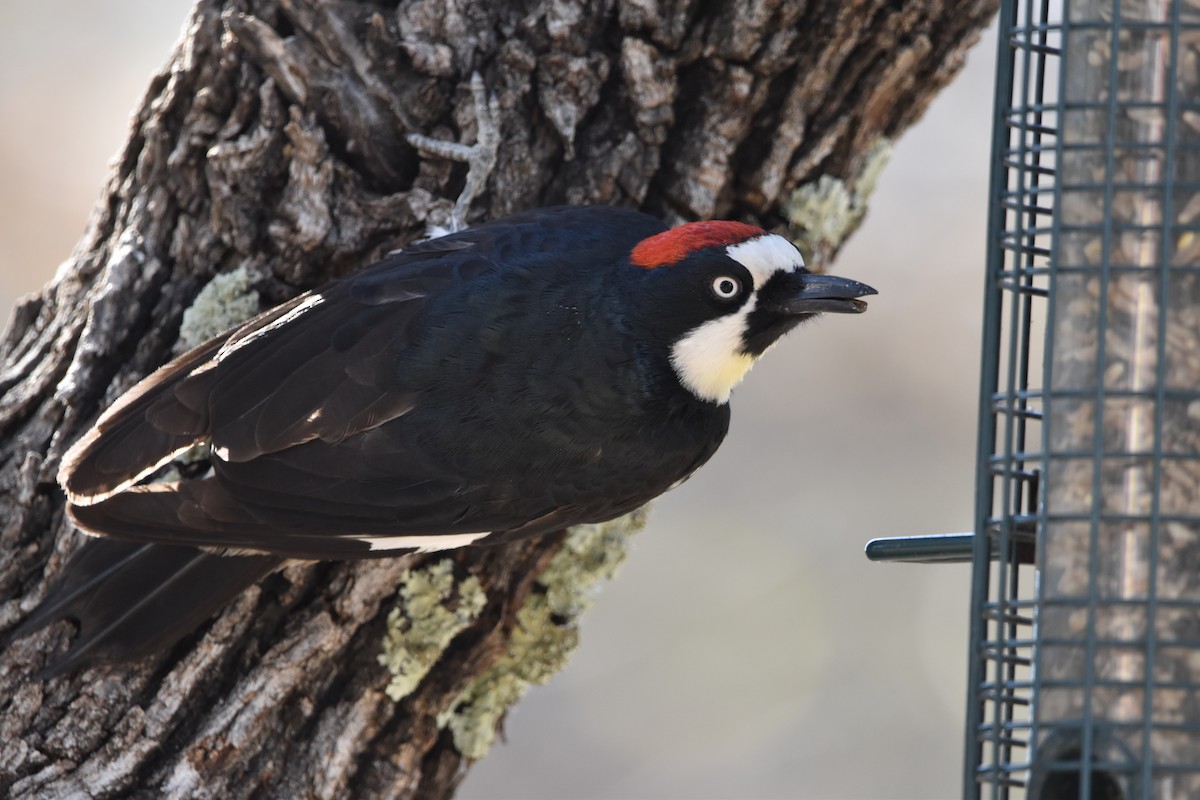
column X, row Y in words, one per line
column 1084, row 670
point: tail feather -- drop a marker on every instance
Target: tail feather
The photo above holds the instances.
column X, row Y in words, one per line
column 131, row 600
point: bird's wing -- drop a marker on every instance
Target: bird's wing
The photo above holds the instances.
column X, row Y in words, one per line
column 307, row 408
column 308, row 369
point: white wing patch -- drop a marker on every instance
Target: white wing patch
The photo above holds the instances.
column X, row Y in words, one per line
column 423, row 544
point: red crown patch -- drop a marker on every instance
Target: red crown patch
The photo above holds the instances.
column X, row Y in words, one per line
column 670, row 247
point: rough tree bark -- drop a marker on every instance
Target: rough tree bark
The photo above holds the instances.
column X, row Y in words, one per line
column 270, row 155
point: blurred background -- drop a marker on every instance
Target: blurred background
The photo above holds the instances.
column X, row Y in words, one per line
column 747, row 649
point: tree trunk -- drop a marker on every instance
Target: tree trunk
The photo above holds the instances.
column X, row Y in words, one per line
column 271, row 155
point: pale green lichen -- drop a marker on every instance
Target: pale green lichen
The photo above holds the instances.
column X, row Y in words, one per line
column 821, row 214
column 227, row 300
column 434, row 609
column 868, row 178
column 546, row 632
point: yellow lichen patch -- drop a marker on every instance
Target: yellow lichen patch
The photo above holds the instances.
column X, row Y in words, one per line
column 434, row 610
column 546, row 632
column 227, row 300
column 822, row 213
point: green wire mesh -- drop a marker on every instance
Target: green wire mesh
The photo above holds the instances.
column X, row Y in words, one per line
column 1085, row 664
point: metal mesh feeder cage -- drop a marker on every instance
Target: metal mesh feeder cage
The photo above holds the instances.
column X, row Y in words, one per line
column 1085, row 611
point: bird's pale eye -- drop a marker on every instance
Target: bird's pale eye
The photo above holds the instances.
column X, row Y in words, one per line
column 725, row 287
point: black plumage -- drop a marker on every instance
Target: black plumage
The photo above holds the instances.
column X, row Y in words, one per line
column 131, row 600
column 512, row 379
column 435, row 393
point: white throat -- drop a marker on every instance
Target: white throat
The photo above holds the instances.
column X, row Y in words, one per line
column 710, row 360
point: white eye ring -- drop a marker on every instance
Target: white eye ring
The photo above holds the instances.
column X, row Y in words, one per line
column 725, row 287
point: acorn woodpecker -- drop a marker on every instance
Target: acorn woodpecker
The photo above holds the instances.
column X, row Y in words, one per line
column 553, row 368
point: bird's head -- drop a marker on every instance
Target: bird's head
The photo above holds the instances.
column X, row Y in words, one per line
column 724, row 292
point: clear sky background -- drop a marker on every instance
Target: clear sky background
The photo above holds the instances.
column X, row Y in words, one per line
column 748, row 649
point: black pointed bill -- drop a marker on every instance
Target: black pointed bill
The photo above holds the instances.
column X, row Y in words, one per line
column 803, row 292
column 789, row 298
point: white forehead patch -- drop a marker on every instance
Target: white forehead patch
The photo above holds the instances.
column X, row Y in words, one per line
column 763, row 256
